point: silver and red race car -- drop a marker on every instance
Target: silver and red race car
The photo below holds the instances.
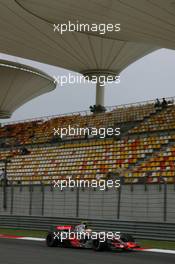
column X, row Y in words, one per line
column 76, row 237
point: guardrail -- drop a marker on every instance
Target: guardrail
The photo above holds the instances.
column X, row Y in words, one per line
column 143, row 230
column 83, row 112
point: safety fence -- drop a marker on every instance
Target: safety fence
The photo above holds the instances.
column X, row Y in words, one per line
column 130, row 202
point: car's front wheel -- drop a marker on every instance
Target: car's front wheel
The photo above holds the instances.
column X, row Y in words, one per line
column 126, row 237
column 51, row 241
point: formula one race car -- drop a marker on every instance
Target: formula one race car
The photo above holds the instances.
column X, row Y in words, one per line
column 69, row 236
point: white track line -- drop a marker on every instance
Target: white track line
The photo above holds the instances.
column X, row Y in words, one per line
column 160, row 250
column 167, row 251
column 32, row 238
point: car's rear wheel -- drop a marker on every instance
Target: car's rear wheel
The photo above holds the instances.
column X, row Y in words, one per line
column 51, row 241
column 99, row 245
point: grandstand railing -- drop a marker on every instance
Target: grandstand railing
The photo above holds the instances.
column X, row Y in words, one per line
column 85, row 112
column 123, row 180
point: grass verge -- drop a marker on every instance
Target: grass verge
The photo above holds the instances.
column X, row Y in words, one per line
column 23, row 232
column 156, row 244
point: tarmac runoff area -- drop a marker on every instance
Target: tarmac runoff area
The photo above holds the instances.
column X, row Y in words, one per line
column 28, row 250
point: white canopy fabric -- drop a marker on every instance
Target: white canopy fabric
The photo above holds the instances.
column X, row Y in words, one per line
column 26, row 35
column 19, row 84
column 148, row 21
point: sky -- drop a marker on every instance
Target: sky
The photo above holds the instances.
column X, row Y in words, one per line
column 148, row 78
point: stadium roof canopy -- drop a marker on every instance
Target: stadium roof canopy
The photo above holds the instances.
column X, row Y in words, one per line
column 26, row 30
column 147, row 21
column 20, row 84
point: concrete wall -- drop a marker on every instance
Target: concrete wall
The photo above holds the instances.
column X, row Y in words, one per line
column 154, row 203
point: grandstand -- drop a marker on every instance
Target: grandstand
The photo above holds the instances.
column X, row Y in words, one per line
column 144, row 150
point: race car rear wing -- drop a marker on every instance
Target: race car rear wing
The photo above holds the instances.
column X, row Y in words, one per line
column 64, row 227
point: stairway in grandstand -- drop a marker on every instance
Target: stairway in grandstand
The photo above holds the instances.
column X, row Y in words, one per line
column 126, row 127
column 155, row 151
column 146, row 165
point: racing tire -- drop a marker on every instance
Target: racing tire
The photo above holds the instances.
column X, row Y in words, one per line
column 51, row 241
column 99, row 246
column 127, row 237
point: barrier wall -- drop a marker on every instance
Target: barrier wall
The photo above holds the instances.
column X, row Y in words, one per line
column 149, row 203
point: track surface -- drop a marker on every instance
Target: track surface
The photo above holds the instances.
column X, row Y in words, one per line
column 30, row 252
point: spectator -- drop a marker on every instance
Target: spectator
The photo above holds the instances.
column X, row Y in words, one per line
column 2, row 145
column 56, row 139
column 97, row 109
column 32, row 135
column 2, row 176
column 92, row 108
column 98, row 177
column 157, row 103
column 24, row 151
column 164, row 103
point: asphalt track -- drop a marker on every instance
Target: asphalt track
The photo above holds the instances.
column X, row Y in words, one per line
column 33, row 252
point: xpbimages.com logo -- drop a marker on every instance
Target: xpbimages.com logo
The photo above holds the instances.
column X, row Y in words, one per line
column 80, row 79
column 101, row 132
column 101, row 28
column 102, row 236
column 101, row 184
